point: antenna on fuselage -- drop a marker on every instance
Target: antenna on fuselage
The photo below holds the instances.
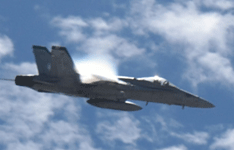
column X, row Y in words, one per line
column 8, row 79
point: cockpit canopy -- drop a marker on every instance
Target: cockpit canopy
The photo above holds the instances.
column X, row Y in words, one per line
column 151, row 82
column 156, row 79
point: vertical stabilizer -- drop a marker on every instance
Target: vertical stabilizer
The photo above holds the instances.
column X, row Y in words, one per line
column 61, row 62
column 43, row 59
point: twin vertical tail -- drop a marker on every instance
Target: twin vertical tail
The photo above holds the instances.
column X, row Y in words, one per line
column 57, row 63
column 53, row 66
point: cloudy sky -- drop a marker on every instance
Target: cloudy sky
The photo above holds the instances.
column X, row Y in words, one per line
column 190, row 43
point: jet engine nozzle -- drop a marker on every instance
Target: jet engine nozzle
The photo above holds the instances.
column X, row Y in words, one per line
column 24, row 80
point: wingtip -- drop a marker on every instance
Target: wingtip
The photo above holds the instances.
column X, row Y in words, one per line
column 59, row 47
column 38, row 47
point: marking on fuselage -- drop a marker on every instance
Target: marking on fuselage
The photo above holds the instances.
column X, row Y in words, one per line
column 49, row 66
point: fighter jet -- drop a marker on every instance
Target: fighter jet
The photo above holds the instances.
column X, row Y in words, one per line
column 57, row 74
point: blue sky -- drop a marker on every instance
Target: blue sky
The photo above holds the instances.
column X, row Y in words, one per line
column 189, row 43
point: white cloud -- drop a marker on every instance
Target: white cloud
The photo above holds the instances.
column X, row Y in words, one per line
column 158, row 128
column 24, row 112
column 211, row 67
column 167, row 122
column 181, row 23
column 111, row 45
column 114, row 24
column 100, row 24
column 27, row 146
column 65, row 133
column 161, row 120
column 215, row 128
column 199, row 138
column 219, row 4
column 102, row 39
column 23, row 68
column 6, row 46
column 226, row 141
column 196, row 33
column 71, row 27
column 123, row 127
column 33, row 120
column 179, row 147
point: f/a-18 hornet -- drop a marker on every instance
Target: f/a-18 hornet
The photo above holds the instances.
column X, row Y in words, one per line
column 57, row 74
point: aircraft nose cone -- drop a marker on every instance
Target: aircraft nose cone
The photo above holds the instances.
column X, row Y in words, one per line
column 206, row 104
column 210, row 105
